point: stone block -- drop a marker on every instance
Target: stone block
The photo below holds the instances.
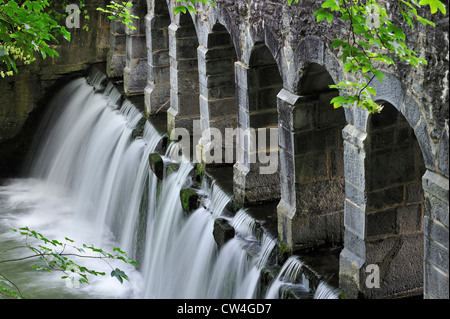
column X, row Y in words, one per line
column 287, row 190
column 311, row 166
column 304, row 116
column 436, row 209
column 184, row 81
column 337, row 164
column 386, row 197
column 157, row 39
column 156, row 165
column 266, row 118
column 117, row 42
column 400, row 262
column 435, row 283
column 436, row 185
column 155, row 97
column 241, row 72
column 354, row 166
column 158, row 74
column 320, row 197
column 414, row 193
column 136, row 47
column 355, row 195
column 223, row 67
column 316, row 140
column 183, row 48
column 185, row 104
column 218, row 108
column 436, row 231
column 308, row 232
column 436, row 255
column 355, row 219
column 423, row 138
column 409, row 219
column 381, row 223
column 354, row 244
column 159, row 57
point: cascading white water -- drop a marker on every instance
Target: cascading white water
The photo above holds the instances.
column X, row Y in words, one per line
column 81, row 175
column 91, row 181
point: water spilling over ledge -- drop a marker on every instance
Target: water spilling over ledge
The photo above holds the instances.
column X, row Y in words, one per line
column 91, row 180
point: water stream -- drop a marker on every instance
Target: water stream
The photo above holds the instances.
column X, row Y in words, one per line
column 90, row 180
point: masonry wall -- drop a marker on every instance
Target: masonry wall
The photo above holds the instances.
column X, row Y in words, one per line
column 25, row 94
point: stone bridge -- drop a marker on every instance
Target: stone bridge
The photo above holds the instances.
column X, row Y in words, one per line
column 378, row 184
column 375, row 184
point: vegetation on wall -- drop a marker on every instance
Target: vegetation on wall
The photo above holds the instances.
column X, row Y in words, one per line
column 30, row 28
column 375, row 39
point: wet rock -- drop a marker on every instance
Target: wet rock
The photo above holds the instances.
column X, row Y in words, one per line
column 189, row 199
column 156, row 165
column 223, row 231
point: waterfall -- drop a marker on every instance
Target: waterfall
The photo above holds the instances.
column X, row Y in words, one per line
column 91, row 179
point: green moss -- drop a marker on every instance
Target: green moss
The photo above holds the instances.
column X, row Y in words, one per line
column 189, row 199
column 284, row 252
column 342, row 295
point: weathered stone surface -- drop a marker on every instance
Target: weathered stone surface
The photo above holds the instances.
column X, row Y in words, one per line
column 156, row 165
column 189, row 199
column 223, row 231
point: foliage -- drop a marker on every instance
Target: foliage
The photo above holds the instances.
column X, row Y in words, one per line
column 29, row 28
column 120, row 12
column 54, row 256
column 374, row 40
column 26, row 27
column 189, row 5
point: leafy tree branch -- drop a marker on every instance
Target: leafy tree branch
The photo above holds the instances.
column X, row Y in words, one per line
column 30, row 28
column 55, row 257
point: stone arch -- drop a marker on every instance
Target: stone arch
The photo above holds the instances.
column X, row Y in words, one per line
column 184, row 75
column 311, row 210
column 384, row 212
column 392, row 90
column 218, row 110
column 395, row 205
column 157, row 91
column 135, row 71
column 225, row 19
column 258, row 84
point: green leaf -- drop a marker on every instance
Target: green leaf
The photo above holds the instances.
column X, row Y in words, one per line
column 119, row 274
column 323, row 14
column 434, row 5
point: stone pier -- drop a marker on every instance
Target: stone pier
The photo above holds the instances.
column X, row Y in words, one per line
column 135, row 72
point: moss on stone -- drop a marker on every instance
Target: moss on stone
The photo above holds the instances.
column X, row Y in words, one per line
column 189, row 199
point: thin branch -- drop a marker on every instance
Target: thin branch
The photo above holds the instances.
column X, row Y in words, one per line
column 12, row 283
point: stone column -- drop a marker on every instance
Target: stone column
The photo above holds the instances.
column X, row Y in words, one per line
column 310, row 212
column 436, row 235
column 184, row 89
column 116, row 58
column 253, row 180
column 384, row 239
column 287, row 208
column 135, row 72
column 157, row 91
column 217, row 101
column 353, row 256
